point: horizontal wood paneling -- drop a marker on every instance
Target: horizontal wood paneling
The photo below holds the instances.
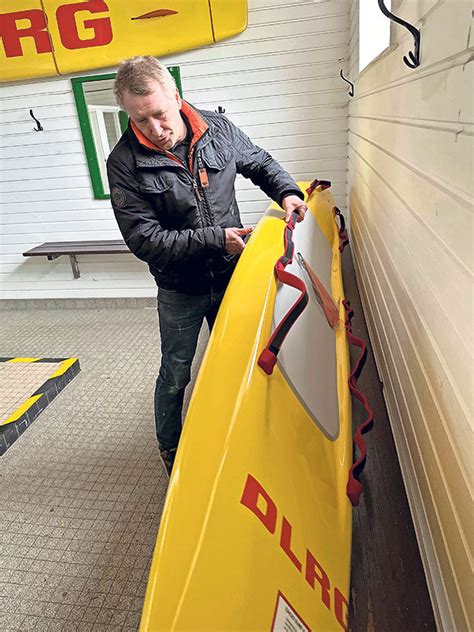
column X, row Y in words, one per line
column 413, row 232
column 447, row 81
column 411, row 201
column 416, row 143
column 251, row 65
column 433, row 420
column 445, row 590
column 435, row 338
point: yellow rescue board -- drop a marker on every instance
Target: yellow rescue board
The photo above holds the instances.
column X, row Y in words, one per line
column 256, row 528
column 47, row 37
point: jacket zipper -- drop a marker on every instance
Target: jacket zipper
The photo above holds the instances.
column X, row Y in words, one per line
column 207, row 210
column 201, row 203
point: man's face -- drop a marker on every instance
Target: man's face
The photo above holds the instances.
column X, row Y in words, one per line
column 157, row 116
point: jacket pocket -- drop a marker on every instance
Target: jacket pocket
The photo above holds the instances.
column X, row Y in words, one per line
column 153, row 183
column 216, row 155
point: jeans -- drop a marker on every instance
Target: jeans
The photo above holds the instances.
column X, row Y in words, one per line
column 181, row 317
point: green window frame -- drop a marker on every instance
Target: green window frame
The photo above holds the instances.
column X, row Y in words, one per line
column 86, row 128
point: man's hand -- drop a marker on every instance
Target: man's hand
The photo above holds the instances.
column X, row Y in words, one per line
column 234, row 244
column 291, row 204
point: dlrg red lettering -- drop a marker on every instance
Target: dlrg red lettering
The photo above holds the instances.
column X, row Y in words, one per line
column 68, row 31
column 11, row 34
column 256, row 498
column 66, row 16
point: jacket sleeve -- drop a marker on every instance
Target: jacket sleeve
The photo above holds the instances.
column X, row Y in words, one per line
column 260, row 167
column 142, row 231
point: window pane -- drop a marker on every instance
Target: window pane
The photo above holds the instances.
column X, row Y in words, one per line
column 111, row 124
column 374, row 31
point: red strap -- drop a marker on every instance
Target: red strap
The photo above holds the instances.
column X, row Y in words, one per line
column 268, row 357
column 343, row 238
column 324, row 184
column 354, row 486
column 323, row 297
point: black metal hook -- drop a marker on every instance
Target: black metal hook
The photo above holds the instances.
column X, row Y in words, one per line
column 220, row 109
column 40, row 127
column 351, row 91
column 414, row 57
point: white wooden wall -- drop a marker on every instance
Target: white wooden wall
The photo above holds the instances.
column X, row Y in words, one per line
column 278, row 80
column 411, row 202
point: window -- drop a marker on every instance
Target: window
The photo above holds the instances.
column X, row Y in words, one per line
column 374, row 31
column 106, row 130
column 102, row 123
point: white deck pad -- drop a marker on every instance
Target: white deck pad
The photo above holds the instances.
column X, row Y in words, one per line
column 308, row 355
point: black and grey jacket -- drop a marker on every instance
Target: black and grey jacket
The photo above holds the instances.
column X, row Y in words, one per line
column 174, row 218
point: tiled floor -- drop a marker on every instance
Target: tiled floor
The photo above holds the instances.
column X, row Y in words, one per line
column 82, row 490
column 18, row 381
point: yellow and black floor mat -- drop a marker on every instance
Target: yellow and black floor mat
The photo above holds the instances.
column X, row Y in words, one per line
column 27, row 386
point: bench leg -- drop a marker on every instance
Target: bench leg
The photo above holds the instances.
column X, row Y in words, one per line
column 74, row 266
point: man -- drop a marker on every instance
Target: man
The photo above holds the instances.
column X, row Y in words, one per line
column 172, row 177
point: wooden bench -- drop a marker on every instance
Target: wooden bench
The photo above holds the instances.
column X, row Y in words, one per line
column 53, row 250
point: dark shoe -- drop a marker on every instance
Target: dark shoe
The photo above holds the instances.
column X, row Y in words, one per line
column 167, row 458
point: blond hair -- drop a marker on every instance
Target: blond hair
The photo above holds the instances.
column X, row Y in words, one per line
column 136, row 75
